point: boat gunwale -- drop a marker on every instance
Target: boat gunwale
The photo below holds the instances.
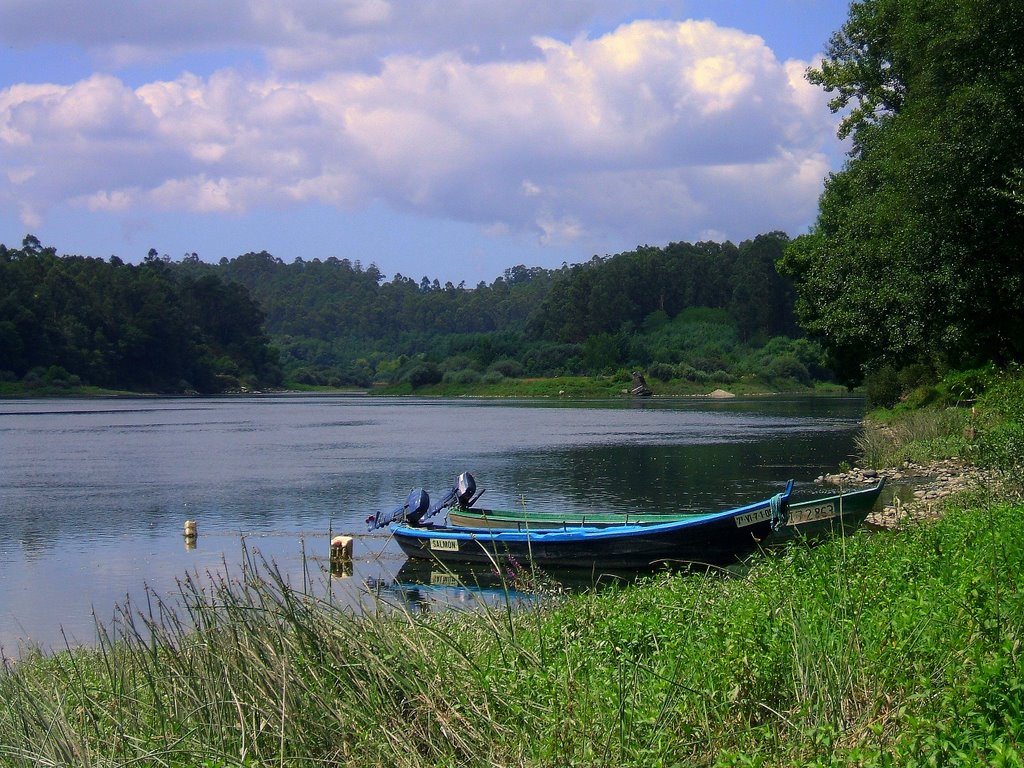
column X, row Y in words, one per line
column 581, row 532
column 497, row 520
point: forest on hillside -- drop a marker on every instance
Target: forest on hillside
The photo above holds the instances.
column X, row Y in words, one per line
column 701, row 312
column 70, row 321
column 690, row 310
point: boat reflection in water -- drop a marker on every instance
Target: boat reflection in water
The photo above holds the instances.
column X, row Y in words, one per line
column 421, row 587
column 426, row 586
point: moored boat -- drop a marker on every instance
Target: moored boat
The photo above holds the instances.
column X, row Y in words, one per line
column 840, row 513
column 716, row 538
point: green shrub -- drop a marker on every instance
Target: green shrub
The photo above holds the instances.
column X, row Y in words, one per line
column 661, row 371
column 465, row 376
column 457, row 363
column 1001, row 447
column 787, row 366
column 422, row 375
column 964, row 387
column 883, row 387
column 686, row 371
column 921, row 396
column 508, row 368
column 1005, row 396
column 913, row 376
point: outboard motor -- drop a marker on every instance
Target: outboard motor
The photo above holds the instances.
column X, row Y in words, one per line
column 461, row 493
column 417, row 507
column 465, row 487
column 416, row 504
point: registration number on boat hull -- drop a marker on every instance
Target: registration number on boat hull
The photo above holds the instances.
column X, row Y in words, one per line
column 818, row 512
column 751, row 518
column 444, row 545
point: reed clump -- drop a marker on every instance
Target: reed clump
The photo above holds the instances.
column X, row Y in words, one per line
column 915, row 436
column 902, row 648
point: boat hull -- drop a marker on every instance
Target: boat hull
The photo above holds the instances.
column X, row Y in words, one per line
column 712, row 539
column 836, row 515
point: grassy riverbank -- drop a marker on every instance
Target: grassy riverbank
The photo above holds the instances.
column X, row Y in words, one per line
column 894, row 648
column 601, row 387
column 901, row 649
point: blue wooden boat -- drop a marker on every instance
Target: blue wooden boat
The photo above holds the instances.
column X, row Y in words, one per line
column 715, row 539
column 809, row 519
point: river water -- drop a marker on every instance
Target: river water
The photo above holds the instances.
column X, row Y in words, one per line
column 95, row 492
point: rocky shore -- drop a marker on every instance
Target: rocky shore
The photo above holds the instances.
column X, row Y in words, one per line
column 915, row 491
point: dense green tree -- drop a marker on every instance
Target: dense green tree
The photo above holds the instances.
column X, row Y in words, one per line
column 140, row 327
column 916, row 253
column 762, row 300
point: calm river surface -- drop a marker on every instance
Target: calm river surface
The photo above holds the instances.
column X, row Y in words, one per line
column 95, row 492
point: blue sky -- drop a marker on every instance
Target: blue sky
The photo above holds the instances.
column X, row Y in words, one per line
column 445, row 138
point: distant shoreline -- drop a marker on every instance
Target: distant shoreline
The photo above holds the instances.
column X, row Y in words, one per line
column 551, row 389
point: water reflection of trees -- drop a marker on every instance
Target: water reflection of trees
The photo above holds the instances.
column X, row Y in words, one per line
column 661, row 478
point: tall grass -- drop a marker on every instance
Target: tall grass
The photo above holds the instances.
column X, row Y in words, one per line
column 876, row 650
column 918, row 436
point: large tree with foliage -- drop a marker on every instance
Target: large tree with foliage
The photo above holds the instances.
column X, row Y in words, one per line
column 916, row 255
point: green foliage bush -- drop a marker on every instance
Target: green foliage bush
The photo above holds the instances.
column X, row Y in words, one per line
column 465, row 376
column 686, row 371
column 422, row 374
column 457, row 363
column 787, row 367
column 1001, row 446
column 999, row 420
column 547, row 359
column 661, row 371
column 655, row 321
column 965, row 387
column 1005, row 395
column 883, row 387
column 508, row 368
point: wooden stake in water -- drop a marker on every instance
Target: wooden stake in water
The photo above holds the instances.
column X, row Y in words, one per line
column 341, row 556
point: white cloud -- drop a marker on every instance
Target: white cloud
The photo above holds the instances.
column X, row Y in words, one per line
column 654, row 128
column 116, row 200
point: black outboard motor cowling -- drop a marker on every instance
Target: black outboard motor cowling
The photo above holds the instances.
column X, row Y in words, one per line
column 465, row 487
column 461, row 493
column 417, row 503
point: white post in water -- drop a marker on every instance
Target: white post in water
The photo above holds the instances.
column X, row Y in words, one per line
column 190, row 529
